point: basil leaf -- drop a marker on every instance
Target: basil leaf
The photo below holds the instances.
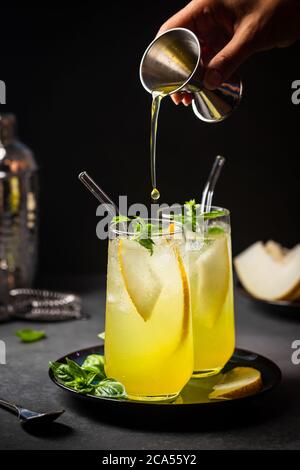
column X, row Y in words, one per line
column 147, row 243
column 215, row 231
column 91, row 378
column 88, row 378
column 80, row 386
column 95, row 363
column 110, row 388
column 75, row 370
column 213, row 214
column 30, row 336
column 61, row 371
column 137, row 227
column 191, row 204
column 192, row 209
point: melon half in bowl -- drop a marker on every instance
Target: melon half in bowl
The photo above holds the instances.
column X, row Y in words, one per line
column 267, row 277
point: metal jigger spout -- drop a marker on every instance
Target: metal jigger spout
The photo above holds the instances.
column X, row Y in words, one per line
column 172, row 62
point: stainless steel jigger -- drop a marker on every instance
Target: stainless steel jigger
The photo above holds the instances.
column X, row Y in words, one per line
column 173, row 62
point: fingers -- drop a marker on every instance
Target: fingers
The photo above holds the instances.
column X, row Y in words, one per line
column 226, row 62
column 182, row 19
column 176, row 98
column 187, row 99
column 185, row 17
column 182, row 97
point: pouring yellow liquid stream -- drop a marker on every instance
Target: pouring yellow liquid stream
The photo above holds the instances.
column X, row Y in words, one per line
column 157, row 96
column 156, row 100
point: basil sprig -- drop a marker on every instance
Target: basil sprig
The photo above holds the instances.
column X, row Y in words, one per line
column 89, row 378
column 191, row 215
column 142, row 231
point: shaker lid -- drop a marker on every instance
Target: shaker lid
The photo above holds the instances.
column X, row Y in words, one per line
column 15, row 157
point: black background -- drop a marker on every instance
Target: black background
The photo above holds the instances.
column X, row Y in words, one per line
column 72, row 80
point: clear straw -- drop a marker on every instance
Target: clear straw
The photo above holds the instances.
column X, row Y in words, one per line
column 208, row 192
column 98, row 193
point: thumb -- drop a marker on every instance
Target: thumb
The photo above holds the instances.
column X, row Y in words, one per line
column 225, row 63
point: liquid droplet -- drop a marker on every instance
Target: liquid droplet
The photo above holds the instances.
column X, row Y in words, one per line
column 155, row 195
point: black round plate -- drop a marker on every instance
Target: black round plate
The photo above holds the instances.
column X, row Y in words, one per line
column 197, row 390
column 276, row 306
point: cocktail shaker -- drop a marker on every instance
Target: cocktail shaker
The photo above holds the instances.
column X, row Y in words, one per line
column 173, row 63
column 18, row 210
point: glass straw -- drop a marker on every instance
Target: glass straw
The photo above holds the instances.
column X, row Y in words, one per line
column 208, row 192
column 98, row 193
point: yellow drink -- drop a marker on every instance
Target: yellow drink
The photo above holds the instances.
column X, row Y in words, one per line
column 148, row 333
column 208, row 248
column 212, row 303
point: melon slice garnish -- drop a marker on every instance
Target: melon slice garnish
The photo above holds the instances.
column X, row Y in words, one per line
column 141, row 282
column 237, row 383
column 210, row 281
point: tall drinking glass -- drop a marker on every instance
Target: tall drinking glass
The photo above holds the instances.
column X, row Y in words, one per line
column 148, row 332
column 210, row 275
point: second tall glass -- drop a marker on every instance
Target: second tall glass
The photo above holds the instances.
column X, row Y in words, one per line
column 210, row 275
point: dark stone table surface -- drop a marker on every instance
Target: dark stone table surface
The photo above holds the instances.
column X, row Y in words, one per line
column 270, row 422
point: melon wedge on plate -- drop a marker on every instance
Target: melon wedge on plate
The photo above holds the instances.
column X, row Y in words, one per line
column 237, row 383
column 264, row 277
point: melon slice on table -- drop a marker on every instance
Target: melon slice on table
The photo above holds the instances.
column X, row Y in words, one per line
column 265, row 278
column 237, row 383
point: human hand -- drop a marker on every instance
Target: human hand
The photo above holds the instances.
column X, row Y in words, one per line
column 234, row 30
